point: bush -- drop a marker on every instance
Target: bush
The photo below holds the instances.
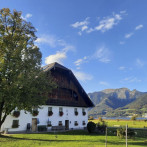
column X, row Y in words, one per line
column 91, row 127
column 100, row 119
column 42, row 128
column 91, row 118
column 101, row 127
column 121, row 132
column 16, row 113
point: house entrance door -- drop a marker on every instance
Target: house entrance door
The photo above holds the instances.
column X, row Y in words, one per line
column 66, row 124
column 34, row 124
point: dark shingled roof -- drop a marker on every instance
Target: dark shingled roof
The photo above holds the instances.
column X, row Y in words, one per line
column 54, row 65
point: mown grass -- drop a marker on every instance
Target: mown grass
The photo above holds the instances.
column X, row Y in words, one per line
column 67, row 139
column 130, row 123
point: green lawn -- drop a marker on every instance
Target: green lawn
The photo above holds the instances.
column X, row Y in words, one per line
column 131, row 124
column 67, row 139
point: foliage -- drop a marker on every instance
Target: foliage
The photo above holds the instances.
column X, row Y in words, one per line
column 50, row 113
column 35, row 112
column 23, row 84
column 91, row 126
column 134, row 117
column 101, row 126
column 121, row 132
column 16, row 113
column 91, row 118
column 100, row 119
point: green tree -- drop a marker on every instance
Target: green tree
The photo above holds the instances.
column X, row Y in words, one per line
column 23, row 84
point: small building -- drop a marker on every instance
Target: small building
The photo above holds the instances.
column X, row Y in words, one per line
column 66, row 107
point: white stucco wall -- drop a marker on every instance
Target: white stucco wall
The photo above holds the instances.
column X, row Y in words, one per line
column 43, row 118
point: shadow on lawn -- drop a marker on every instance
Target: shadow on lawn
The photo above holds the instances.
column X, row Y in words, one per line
column 53, row 140
column 79, row 140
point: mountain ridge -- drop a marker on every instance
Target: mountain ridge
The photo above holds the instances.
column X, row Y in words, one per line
column 109, row 100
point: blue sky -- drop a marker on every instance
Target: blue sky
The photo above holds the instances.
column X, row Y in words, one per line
column 104, row 42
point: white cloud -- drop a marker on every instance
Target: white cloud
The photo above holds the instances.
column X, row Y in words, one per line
column 131, row 80
column 81, row 23
column 105, row 24
column 122, row 68
column 82, row 76
column 28, row 15
column 139, row 63
column 108, row 23
column 81, row 61
column 128, row 35
column 58, row 57
column 104, row 83
column 103, row 55
column 47, row 39
column 139, row 27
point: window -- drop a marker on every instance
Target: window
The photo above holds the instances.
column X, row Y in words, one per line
column 60, row 123
column 15, row 124
column 75, row 96
column 83, row 111
column 76, row 123
column 50, row 112
column 49, row 124
column 60, row 109
column 76, row 111
column 84, row 123
column 49, row 108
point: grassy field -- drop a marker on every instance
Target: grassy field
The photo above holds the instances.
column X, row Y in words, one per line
column 67, row 139
column 131, row 124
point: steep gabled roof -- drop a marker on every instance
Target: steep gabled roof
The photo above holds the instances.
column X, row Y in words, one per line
column 55, row 65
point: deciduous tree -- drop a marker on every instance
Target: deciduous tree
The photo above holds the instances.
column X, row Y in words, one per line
column 23, row 84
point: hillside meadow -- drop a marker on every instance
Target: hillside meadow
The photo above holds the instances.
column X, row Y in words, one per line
column 119, row 122
column 76, row 138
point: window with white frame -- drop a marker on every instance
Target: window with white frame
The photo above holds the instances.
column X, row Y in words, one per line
column 60, row 109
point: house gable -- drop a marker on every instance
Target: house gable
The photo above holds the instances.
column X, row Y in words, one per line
column 69, row 92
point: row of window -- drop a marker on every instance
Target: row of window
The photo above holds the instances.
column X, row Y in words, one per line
column 35, row 112
column 60, row 123
column 15, row 123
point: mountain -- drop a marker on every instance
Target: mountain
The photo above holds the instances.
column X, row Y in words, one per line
column 108, row 101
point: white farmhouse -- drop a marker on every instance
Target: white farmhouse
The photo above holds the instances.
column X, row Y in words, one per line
column 66, row 107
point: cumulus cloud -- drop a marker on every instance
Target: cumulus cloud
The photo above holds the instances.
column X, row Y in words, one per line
column 47, row 39
column 28, row 15
column 103, row 55
column 105, row 24
column 108, row 23
column 58, row 57
column 82, row 76
column 139, row 27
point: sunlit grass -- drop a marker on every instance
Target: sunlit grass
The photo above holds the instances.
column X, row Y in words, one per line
column 67, row 139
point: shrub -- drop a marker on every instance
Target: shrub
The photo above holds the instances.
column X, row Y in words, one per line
column 35, row 112
column 101, row 127
column 16, row 113
column 100, row 119
column 91, row 127
column 121, row 132
column 61, row 113
column 76, row 113
column 91, row 118
column 42, row 128
column 84, row 113
column 50, row 113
